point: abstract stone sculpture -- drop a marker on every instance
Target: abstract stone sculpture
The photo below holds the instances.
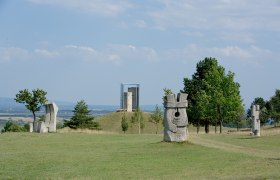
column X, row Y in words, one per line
column 49, row 124
column 256, row 125
column 175, row 117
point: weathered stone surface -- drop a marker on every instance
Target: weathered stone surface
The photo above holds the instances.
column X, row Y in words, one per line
column 30, row 127
column 49, row 125
column 256, row 125
column 175, row 118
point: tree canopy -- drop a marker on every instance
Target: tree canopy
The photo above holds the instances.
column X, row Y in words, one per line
column 274, row 107
column 32, row 100
column 213, row 95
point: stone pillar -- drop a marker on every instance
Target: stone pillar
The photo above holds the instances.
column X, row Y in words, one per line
column 51, row 113
column 175, row 118
column 30, row 127
column 256, row 124
column 129, row 102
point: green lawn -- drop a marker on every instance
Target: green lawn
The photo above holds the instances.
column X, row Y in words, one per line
column 96, row 156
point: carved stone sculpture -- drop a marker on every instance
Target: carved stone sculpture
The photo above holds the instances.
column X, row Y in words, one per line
column 49, row 124
column 256, row 125
column 175, row 117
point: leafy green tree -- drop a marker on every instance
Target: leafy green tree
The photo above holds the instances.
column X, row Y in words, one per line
column 213, row 95
column 156, row 117
column 82, row 117
column 124, row 123
column 32, row 100
column 138, row 117
column 274, row 107
column 264, row 113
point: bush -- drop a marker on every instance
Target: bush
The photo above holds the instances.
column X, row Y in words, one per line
column 13, row 127
column 59, row 125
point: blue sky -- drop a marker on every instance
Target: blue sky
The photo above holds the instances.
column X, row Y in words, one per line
column 84, row 49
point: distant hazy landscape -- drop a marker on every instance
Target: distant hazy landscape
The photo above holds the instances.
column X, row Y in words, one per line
column 9, row 109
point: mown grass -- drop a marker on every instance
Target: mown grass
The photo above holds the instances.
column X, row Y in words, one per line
column 128, row 156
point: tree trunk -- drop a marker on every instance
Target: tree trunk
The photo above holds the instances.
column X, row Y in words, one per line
column 198, row 127
column 34, row 117
column 216, row 128
column 221, row 127
column 207, row 127
column 157, row 128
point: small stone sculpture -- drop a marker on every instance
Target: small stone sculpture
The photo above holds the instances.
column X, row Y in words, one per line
column 256, row 125
column 49, row 124
column 175, row 117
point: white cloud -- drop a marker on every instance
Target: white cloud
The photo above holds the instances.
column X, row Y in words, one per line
column 250, row 55
column 101, row 7
column 46, row 53
column 217, row 14
column 9, row 53
column 120, row 54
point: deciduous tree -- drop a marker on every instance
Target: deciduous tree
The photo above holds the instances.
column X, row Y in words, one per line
column 138, row 118
column 213, row 95
column 32, row 100
column 156, row 117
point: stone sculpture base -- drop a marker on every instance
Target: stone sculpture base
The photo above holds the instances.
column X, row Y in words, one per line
column 179, row 136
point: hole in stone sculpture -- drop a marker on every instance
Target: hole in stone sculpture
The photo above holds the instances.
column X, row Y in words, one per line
column 177, row 114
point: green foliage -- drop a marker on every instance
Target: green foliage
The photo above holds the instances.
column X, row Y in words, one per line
column 59, row 125
column 12, row 127
column 124, row 123
column 138, row 118
column 82, row 117
column 26, row 127
column 156, row 117
column 264, row 114
column 274, row 107
column 42, row 118
column 166, row 92
column 32, row 100
column 213, row 95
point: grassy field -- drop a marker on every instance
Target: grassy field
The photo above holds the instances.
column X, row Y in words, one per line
column 131, row 156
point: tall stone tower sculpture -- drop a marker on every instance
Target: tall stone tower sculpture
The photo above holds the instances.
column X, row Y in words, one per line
column 256, row 124
column 175, row 117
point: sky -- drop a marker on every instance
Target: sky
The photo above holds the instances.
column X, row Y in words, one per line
column 84, row 49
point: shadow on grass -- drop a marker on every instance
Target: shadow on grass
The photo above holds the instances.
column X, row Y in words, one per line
column 175, row 143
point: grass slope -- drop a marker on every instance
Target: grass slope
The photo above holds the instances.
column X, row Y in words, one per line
column 112, row 123
column 130, row 156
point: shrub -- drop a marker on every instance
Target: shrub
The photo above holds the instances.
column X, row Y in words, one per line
column 13, row 127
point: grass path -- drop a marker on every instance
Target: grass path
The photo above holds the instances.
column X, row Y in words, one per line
column 213, row 143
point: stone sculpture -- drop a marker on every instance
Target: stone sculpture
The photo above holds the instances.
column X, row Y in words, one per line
column 49, row 124
column 175, row 117
column 256, row 125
